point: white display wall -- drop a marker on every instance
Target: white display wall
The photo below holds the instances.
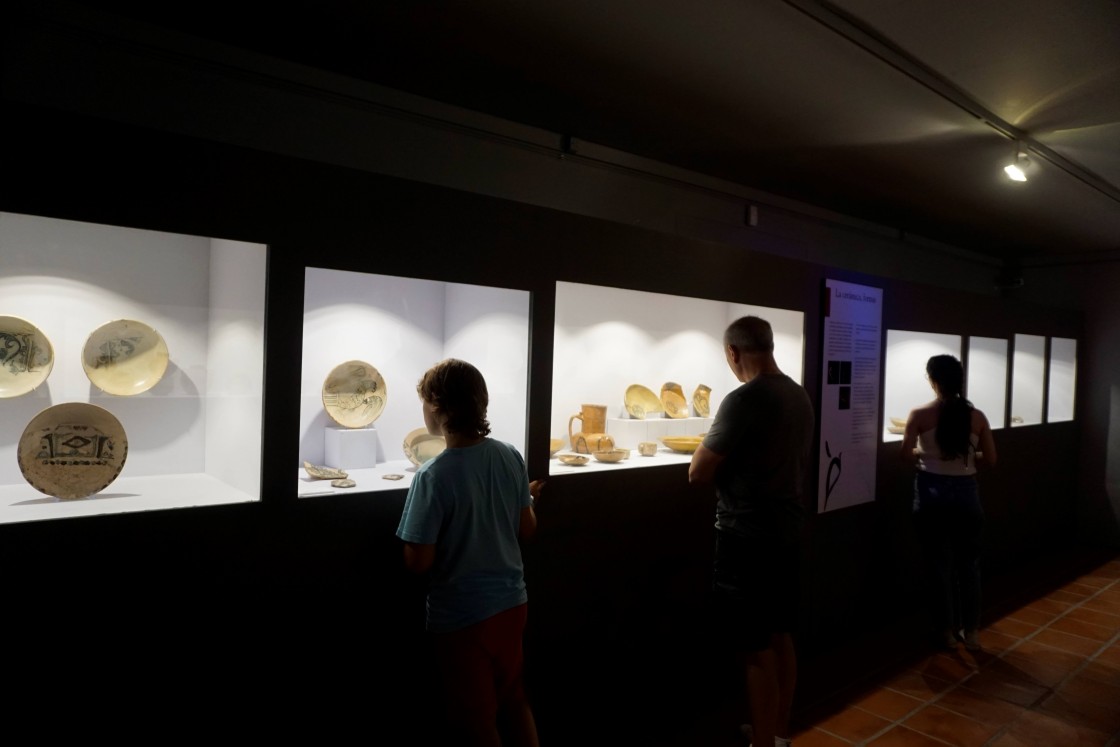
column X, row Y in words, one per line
column 987, row 377
column 195, row 437
column 402, row 327
column 906, row 386
column 1063, row 376
column 1028, row 369
column 609, row 338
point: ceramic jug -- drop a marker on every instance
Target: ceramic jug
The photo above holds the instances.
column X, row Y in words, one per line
column 591, row 435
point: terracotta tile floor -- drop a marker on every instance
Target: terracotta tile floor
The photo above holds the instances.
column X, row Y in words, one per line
column 1048, row 674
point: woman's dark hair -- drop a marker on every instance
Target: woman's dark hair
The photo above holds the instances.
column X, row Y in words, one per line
column 954, row 424
column 457, row 389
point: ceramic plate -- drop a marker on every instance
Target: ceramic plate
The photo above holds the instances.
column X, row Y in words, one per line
column 675, row 404
column 124, row 357
column 421, row 446
column 72, row 450
column 354, row 394
column 641, row 401
column 683, row 444
column 26, row 356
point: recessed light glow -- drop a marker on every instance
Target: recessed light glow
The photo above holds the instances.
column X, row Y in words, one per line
column 1015, row 173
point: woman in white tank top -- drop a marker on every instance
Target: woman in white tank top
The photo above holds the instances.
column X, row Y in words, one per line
column 945, row 439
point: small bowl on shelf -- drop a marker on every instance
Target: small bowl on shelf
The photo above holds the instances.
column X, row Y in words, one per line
column 612, row 455
column 683, row 444
column 572, row 460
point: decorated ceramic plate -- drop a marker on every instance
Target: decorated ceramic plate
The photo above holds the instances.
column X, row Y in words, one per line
column 421, row 446
column 640, row 402
column 683, row 444
column 701, row 400
column 72, row 450
column 26, row 356
column 676, row 406
column 124, row 357
column 354, row 394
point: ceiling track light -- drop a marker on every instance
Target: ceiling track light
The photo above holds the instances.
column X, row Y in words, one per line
column 1017, row 169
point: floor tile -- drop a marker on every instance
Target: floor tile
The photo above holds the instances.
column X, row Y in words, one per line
column 1037, row 651
column 1077, row 587
column 1083, row 629
column 1035, row 728
column 1110, row 655
column 1064, row 595
column 918, row 685
column 854, row 724
column 888, row 704
column 1084, row 688
column 1096, row 580
column 948, row 667
column 1072, row 710
column 996, row 642
column 950, row 727
column 1048, row 673
column 1050, row 605
column 1018, row 690
column 1101, row 605
column 1096, row 617
column 1108, row 674
column 1067, row 642
column 1031, row 616
column 900, row 736
column 816, row 738
column 1012, row 627
column 978, row 707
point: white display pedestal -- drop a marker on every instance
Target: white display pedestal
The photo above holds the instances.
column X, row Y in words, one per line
column 350, row 448
column 629, row 432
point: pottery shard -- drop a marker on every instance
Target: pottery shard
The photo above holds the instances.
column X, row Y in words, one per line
column 324, row 473
column 343, row 483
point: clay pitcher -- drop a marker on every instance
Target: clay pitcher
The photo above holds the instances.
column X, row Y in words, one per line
column 591, row 435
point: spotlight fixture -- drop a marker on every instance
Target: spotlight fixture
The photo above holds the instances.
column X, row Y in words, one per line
column 1017, row 169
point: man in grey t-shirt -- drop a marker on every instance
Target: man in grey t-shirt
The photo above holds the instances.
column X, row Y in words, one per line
column 757, row 454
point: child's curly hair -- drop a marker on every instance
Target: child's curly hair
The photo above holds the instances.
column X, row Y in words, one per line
column 457, row 389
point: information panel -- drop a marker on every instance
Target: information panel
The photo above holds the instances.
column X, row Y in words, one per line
column 852, row 361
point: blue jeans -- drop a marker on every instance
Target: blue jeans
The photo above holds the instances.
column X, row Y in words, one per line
column 950, row 522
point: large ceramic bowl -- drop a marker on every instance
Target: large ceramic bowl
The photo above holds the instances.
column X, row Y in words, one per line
column 683, row 444
column 676, row 406
column 421, row 446
column 72, row 450
column 124, row 357
column 354, row 394
column 26, row 356
column 641, row 402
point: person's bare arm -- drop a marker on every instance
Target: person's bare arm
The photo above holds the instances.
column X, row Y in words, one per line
column 910, row 440
column 528, row 526
column 987, row 442
column 702, row 468
column 419, row 558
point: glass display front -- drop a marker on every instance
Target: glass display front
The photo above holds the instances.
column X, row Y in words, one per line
column 987, row 377
column 367, row 340
column 1063, row 376
column 131, row 369
column 638, row 377
column 905, row 385
column 1028, row 369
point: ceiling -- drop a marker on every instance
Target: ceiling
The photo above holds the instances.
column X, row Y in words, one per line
column 900, row 112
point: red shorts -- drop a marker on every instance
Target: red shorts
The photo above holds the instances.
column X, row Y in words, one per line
column 481, row 667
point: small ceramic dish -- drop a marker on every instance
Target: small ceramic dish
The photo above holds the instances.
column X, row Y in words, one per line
column 683, row 444
column 675, row 404
column 124, row 357
column 613, row 455
column 900, row 422
column 640, row 401
column 354, row 394
column 421, row 446
column 26, row 356
column 896, row 429
column 72, row 450
column 572, row 460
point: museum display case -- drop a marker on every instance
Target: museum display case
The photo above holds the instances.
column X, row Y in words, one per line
column 904, row 374
column 367, row 340
column 131, row 369
column 1028, row 372
column 1061, row 379
column 986, row 378
column 638, row 376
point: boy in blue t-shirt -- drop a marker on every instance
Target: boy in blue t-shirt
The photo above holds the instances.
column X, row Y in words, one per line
column 463, row 518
